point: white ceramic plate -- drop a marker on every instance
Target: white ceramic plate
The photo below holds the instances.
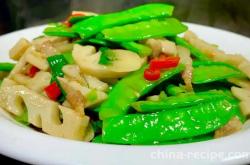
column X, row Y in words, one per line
column 38, row 148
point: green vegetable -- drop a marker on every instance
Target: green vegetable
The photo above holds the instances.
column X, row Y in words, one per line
column 62, row 97
column 56, row 64
column 163, row 126
column 7, row 67
column 68, row 57
column 217, row 85
column 129, row 89
column 81, row 42
column 173, row 102
column 97, row 126
column 194, row 51
column 92, row 95
column 205, row 72
column 75, row 19
column 166, row 27
column 140, row 49
column 4, row 74
column 59, row 30
column 153, row 98
column 97, row 139
column 94, row 25
column 100, row 42
column 163, row 95
column 107, row 56
column 95, row 41
column 174, row 90
column 23, row 119
column 211, row 63
column 186, row 140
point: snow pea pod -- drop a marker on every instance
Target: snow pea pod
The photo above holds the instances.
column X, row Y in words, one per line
column 205, row 72
column 173, row 102
column 56, row 64
column 188, row 140
column 165, row 27
column 95, row 41
column 59, row 30
column 140, row 49
column 200, row 138
column 68, row 57
column 129, row 89
column 174, row 90
column 23, row 119
column 94, row 25
column 7, row 67
column 97, row 139
column 97, row 126
column 194, row 51
column 169, row 125
column 75, row 19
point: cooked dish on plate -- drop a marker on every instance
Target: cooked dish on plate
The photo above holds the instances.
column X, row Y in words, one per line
column 137, row 77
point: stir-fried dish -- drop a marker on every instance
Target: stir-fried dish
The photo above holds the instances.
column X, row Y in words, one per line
column 137, row 76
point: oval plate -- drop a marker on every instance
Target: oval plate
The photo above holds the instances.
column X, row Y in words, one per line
column 33, row 147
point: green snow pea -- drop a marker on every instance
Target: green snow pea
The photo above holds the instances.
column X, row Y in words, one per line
column 162, row 95
column 194, row 51
column 91, row 96
column 140, row 49
column 56, row 64
column 68, row 57
column 163, row 126
column 6, row 66
column 217, row 85
column 94, row 25
column 107, row 56
column 75, row 19
column 97, row 126
column 97, row 139
column 96, row 41
column 129, row 89
column 174, row 90
column 211, row 63
column 205, row 72
column 23, row 119
column 60, row 30
column 165, row 27
column 173, row 102
column 186, row 140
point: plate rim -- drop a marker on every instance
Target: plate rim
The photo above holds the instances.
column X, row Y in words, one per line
column 236, row 138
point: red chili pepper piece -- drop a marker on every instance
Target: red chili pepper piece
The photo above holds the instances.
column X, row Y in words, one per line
column 53, row 91
column 152, row 74
column 32, row 71
column 74, row 14
column 164, row 62
column 67, row 23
